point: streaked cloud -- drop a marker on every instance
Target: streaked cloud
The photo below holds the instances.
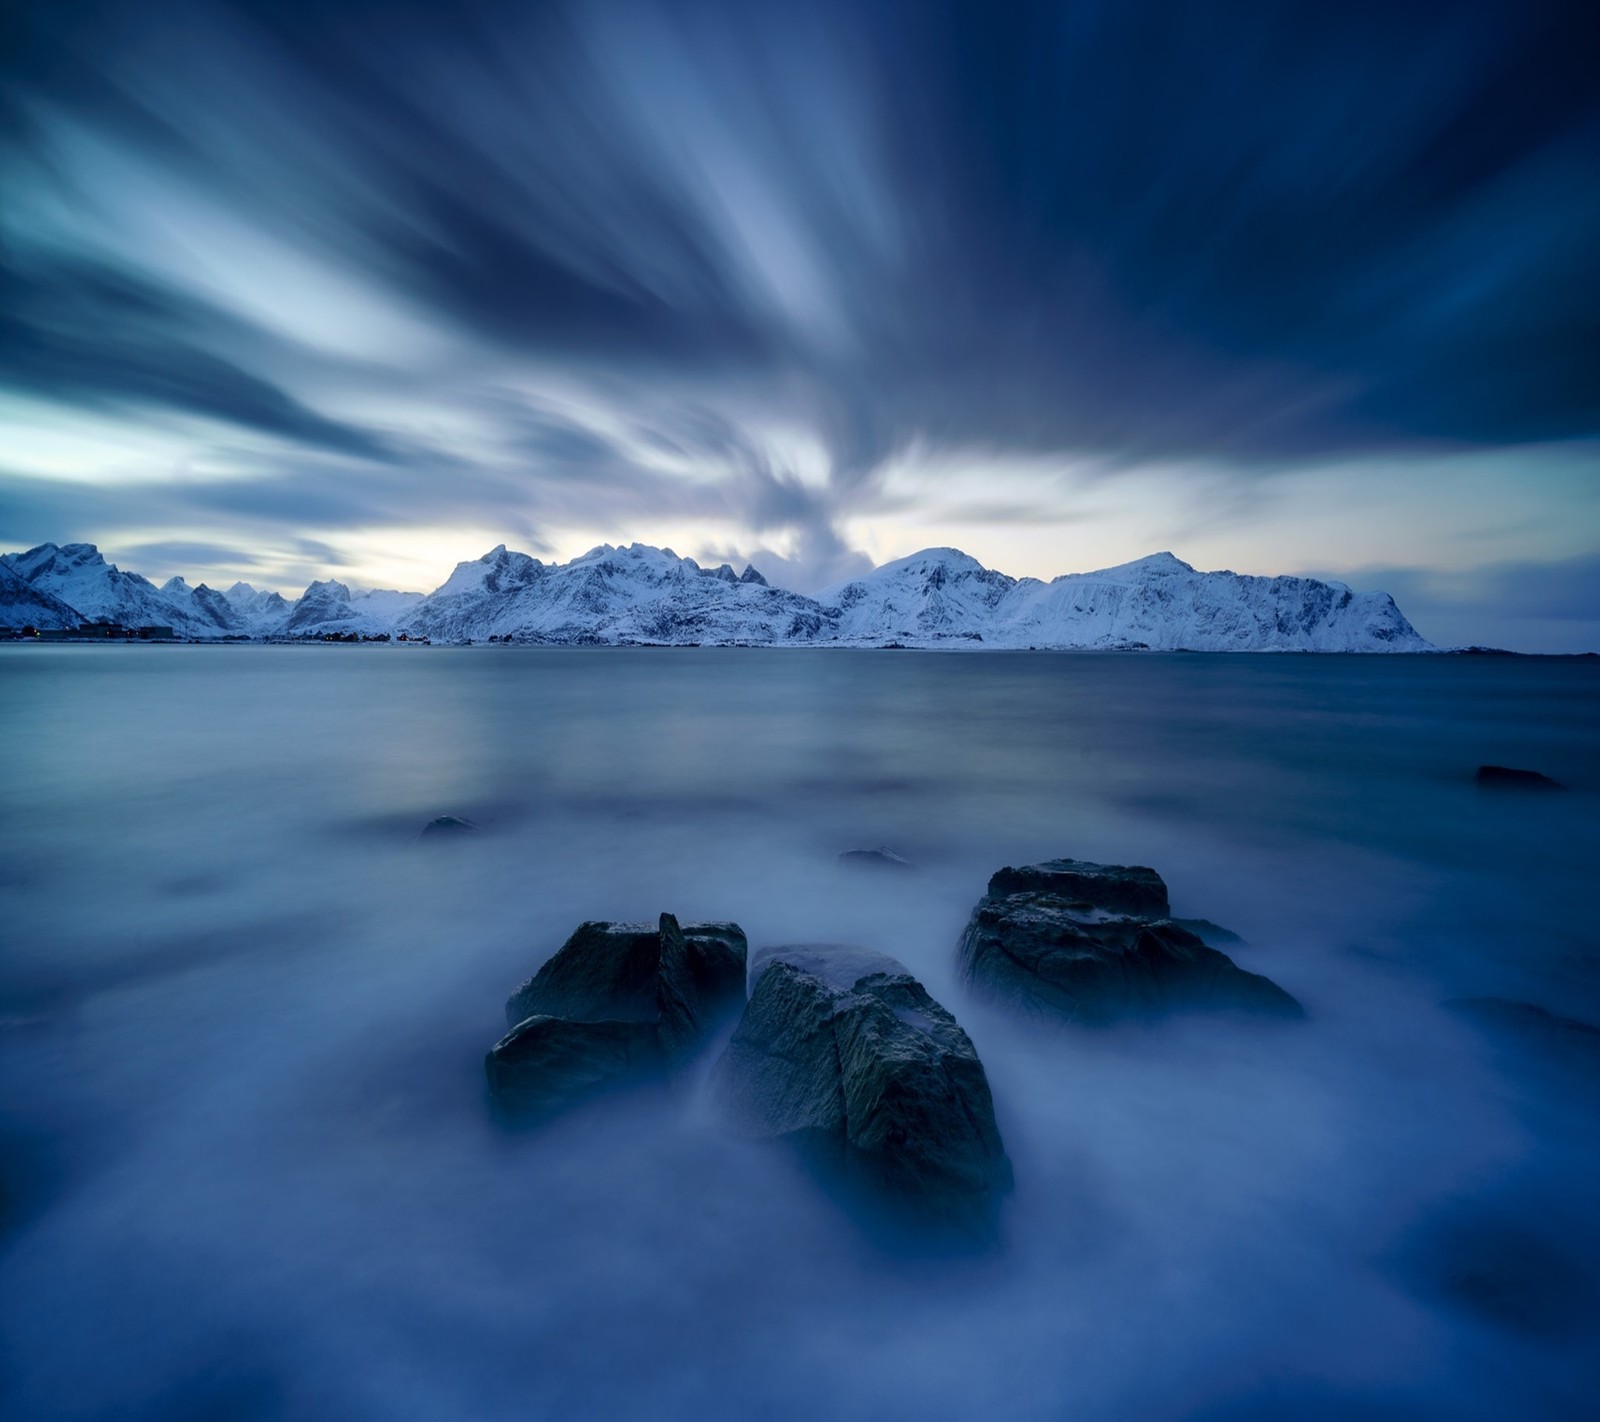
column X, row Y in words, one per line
column 813, row 282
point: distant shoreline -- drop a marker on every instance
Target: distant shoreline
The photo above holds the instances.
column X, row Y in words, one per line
column 963, row 647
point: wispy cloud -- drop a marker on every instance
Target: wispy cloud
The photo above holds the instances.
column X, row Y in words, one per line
column 540, row 267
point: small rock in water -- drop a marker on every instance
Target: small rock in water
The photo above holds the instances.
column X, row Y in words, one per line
column 1093, row 943
column 842, row 1052
column 449, row 825
column 1509, row 1266
column 880, row 858
column 1506, row 777
column 1562, row 1040
column 617, row 1001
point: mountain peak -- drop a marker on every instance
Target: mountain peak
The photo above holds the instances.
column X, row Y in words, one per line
column 1154, row 563
column 947, row 560
column 327, row 587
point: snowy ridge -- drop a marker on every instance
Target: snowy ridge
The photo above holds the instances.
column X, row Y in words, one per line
column 1158, row 602
column 637, row 595
column 611, row 596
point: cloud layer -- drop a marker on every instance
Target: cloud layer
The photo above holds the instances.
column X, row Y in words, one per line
column 271, row 272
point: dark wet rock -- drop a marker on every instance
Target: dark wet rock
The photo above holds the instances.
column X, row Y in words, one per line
column 1563, row 1040
column 545, row 1064
column 448, row 826
column 1505, row 777
column 701, row 984
column 1119, row 888
column 652, row 995
column 880, row 858
column 683, row 976
column 1209, row 932
column 604, row 971
column 1092, row 943
column 843, row 1053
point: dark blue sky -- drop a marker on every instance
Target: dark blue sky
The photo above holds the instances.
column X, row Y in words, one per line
column 293, row 287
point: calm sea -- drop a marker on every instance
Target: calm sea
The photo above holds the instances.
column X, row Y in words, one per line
column 247, row 1165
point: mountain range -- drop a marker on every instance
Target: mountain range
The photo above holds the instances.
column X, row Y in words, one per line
column 640, row 595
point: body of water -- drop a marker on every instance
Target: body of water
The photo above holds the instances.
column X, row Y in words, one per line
column 248, row 1167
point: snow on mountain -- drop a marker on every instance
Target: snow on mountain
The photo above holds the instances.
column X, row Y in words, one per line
column 329, row 606
column 1158, row 602
column 935, row 595
column 1165, row 604
column 22, row 605
column 611, row 596
column 77, row 575
column 261, row 613
column 639, row 594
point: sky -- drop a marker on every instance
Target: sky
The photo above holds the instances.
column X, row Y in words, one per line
column 365, row 289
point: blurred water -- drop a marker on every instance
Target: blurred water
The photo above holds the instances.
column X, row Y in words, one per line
column 248, row 1170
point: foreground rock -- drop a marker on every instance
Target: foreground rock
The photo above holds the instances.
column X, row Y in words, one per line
column 618, row 1001
column 1095, row 943
column 1508, row 777
column 545, row 1064
column 842, row 1052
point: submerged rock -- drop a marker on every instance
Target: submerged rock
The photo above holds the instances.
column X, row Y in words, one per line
column 1564, row 1041
column 1506, row 777
column 448, row 825
column 617, row 1001
column 880, row 858
column 842, row 1052
column 1510, row 1265
column 1094, row 943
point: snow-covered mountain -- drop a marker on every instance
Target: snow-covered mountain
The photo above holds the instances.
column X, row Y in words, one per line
column 611, row 596
column 97, row 591
column 54, row 587
column 260, row 612
column 1159, row 602
column 23, row 605
column 332, row 607
column 639, row 594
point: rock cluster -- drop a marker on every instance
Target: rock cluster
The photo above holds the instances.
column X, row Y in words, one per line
column 1095, row 943
column 843, row 1053
column 840, row 1051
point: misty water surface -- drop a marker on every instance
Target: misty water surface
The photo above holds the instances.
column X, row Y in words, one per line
column 249, row 1170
